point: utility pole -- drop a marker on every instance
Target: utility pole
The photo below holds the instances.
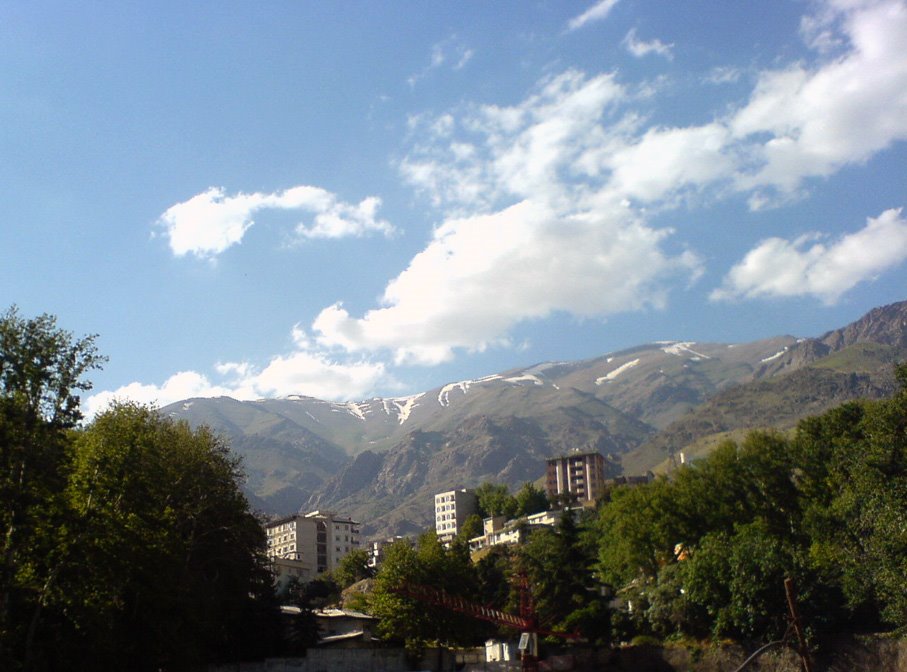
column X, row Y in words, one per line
column 802, row 649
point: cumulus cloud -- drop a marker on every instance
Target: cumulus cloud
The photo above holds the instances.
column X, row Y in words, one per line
column 545, row 206
column 666, row 159
column 597, row 12
column 640, row 48
column 808, row 266
column 546, row 201
column 210, row 222
column 481, row 275
column 306, row 370
column 801, row 123
column 485, row 156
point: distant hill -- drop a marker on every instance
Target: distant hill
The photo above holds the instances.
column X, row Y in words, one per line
column 382, row 459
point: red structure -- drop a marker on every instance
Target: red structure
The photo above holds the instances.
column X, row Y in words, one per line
column 527, row 621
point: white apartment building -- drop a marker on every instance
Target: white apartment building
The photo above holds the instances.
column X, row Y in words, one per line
column 499, row 531
column 319, row 540
column 452, row 508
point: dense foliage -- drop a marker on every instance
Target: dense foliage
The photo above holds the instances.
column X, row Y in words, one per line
column 127, row 544
column 705, row 551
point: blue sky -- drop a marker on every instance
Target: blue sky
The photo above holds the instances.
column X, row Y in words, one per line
column 355, row 199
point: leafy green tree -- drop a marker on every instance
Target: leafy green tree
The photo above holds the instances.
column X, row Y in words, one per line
column 472, row 527
column 353, row 567
column 400, row 616
column 166, row 564
column 737, row 579
column 494, row 499
column 418, row 623
column 562, row 582
column 42, row 369
column 530, row 499
column 493, row 572
column 639, row 529
column 857, row 482
column 302, row 632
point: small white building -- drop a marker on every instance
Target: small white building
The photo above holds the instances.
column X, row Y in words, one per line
column 452, row 508
column 497, row 651
column 375, row 549
column 319, row 539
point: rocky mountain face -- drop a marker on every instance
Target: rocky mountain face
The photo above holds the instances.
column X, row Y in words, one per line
column 381, row 460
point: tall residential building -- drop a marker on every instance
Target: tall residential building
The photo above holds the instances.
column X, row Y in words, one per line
column 319, row 539
column 452, row 508
column 579, row 474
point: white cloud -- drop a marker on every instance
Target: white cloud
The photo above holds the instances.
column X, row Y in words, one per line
column 543, row 199
column 304, row 371
column 723, row 74
column 543, row 206
column 667, row 159
column 209, row 223
column 597, row 12
column 183, row 385
column 450, row 49
column 640, row 48
column 488, row 154
column 482, row 275
column 809, row 267
column 840, row 113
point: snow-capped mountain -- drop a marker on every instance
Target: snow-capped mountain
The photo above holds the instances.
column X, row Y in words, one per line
column 380, row 458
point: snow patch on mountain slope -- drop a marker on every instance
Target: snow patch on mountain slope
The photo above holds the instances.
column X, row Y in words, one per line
column 463, row 386
column 402, row 406
column 775, row 356
column 683, row 348
column 539, row 369
column 607, row 378
column 357, row 409
column 525, row 378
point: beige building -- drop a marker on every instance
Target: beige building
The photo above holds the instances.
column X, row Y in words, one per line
column 318, row 540
column 498, row 530
column 581, row 475
column 452, row 508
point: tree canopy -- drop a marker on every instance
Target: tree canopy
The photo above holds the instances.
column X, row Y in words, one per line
column 126, row 544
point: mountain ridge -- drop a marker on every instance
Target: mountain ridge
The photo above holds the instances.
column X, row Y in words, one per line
column 381, row 459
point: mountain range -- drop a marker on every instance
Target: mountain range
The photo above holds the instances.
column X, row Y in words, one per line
column 381, row 460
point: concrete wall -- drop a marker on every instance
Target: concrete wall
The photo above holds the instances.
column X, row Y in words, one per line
column 347, row 660
column 850, row 655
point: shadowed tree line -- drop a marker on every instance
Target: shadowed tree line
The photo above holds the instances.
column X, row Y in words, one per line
column 126, row 544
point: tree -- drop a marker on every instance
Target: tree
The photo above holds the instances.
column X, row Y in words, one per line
column 561, row 580
column 353, row 567
column 428, row 564
column 494, row 499
column 472, row 527
column 166, row 565
column 639, row 529
column 530, row 499
column 855, row 512
column 42, row 370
